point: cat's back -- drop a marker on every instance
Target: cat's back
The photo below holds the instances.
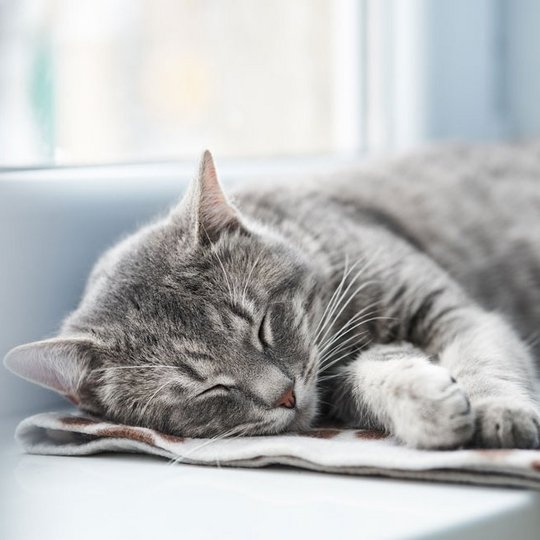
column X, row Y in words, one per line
column 474, row 209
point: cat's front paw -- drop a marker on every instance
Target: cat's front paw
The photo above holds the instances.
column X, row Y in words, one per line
column 502, row 423
column 432, row 410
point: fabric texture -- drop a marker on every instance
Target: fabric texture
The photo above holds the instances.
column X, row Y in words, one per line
column 332, row 450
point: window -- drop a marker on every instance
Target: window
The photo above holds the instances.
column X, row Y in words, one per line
column 103, row 81
column 91, row 82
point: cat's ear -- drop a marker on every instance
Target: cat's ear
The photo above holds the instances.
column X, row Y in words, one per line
column 57, row 364
column 209, row 211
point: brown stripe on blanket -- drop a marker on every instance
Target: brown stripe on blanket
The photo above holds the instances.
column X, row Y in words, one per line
column 321, row 433
column 77, row 421
column 127, row 432
column 171, row 438
column 370, row 434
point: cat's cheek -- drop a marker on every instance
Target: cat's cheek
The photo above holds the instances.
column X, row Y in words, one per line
column 307, row 396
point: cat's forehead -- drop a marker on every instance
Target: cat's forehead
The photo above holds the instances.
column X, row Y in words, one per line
column 162, row 251
column 153, row 283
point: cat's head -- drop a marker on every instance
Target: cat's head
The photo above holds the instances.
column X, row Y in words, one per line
column 199, row 325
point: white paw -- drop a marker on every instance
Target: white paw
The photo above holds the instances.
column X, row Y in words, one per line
column 429, row 408
column 505, row 423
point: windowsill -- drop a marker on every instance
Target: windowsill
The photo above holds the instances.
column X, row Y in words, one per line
column 131, row 496
column 167, row 170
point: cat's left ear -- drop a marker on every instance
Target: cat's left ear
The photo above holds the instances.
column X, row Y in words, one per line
column 58, row 364
column 209, row 210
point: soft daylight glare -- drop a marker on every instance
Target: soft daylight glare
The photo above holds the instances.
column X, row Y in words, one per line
column 97, row 81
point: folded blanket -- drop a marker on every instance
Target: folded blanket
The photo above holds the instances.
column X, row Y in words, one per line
column 331, row 450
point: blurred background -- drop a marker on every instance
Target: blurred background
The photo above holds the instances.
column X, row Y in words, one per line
column 106, row 104
column 122, row 81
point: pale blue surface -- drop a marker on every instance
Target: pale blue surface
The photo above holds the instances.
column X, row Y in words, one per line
column 51, row 232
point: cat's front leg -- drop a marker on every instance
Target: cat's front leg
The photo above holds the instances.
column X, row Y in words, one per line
column 477, row 347
column 496, row 370
column 396, row 387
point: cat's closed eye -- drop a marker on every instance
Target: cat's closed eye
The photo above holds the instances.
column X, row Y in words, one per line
column 218, row 389
column 265, row 332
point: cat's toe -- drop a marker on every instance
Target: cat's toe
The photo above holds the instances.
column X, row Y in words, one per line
column 502, row 424
column 435, row 412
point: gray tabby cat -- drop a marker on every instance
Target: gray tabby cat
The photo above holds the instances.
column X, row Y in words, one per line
column 395, row 298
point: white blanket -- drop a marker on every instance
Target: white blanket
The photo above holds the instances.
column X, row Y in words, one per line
column 326, row 450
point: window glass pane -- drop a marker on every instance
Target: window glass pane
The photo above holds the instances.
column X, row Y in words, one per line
column 96, row 81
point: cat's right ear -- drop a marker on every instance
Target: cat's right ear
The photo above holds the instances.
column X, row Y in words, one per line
column 205, row 209
column 58, row 364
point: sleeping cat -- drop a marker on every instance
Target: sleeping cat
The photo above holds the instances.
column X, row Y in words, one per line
column 396, row 297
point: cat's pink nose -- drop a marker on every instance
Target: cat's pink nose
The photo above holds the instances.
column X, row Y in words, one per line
column 288, row 399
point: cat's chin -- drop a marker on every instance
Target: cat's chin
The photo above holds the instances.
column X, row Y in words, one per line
column 301, row 423
column 304, row 417
column 292, row 421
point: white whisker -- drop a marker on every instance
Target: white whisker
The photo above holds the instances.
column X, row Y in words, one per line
column 333, row 303
column 153, row 396
column 235, row 432
column 246, row 283
column 328, row 342
column 362, row 322
column 336, row 360
column 340, row 346
column 349, row 300
column 329, row 377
